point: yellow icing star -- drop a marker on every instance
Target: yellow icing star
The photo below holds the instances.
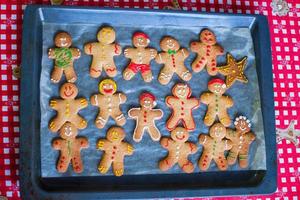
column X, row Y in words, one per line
column 233, row 70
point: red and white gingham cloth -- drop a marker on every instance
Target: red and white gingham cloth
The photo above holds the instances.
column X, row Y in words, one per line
column 285, row 38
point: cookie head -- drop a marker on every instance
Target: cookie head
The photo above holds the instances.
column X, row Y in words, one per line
column 147, row 100
column 217, row 131
column 180, row 134
column 140, row 39
column 181, row 90
column 68, row 130
column 217, row 86
column 63, row 39
column 242, row 124
column 107, row 87
column 208, row 37
column 169, row 44
column 68, row 91
column 106, row 35
column 115, row 134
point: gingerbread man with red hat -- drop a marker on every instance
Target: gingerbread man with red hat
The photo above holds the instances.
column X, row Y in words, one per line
column 217, row 103
column 140, row 57
column 145, row 117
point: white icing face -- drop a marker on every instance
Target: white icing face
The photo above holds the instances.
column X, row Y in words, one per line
column 180, row 134
column 242, row 123
column 63, row 42
column 182, row 91
column 68, row 131
column 219, row 88
column 108, row 88
column 218, row 131
column 147, row 103
column 170, row 44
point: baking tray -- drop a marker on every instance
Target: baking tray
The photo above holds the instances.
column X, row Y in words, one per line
column 36, row 184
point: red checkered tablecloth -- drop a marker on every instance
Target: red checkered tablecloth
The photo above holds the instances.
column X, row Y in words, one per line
column 285, row 38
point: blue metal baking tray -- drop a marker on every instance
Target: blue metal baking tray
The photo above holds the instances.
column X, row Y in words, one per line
column 37, row 179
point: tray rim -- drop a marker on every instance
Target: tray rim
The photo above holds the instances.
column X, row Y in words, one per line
column 31, row 187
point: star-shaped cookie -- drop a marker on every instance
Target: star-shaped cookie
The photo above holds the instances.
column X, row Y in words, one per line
column 234, row 71
column 290, row 133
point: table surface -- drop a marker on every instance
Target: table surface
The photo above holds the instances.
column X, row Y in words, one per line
column 285, row 39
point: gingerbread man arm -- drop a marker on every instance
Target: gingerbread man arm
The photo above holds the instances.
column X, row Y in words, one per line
column 228, row 101
column 161, row 58
column 229, row 133
column 166, row 142
column 75, row 53
column 95, row 99
column 195, row 46
column 117, row 49
column 89, row 48
column 219, row 50
column 192, row 147
column 206, row 97
column 203, row 139
column 128, row 148
column 133, row 112
column 122, row 97
column 57, row 144
column 158, row 113
column 251, row 136
column 194, row 102
column 81, row 102
column 51, row 53
column 185, row 53
column 227, row 144
column 102, row 144
column 170, row 100
column 54, row 104
column 128, row 52
column 83, row 142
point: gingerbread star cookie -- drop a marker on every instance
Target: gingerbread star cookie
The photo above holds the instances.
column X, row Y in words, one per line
column 234, row 71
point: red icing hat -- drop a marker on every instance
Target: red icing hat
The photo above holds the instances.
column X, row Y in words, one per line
column 141, row 34
column 147, row 95
column 216, row 80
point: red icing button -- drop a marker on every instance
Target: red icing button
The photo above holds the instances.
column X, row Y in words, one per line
column 208, row 46
column 202, row 58
column 145, row 120
column 114, row 147
column 182, row 108
column 112, row 157
column 213, row 69
column 182, row 113
column 113, row 152
column 208, row 54
column 182, row 103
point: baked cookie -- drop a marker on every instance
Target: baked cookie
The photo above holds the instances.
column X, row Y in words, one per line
column 207, row 51
column 140, row 57
column 182, row 106
column 103, row 52
column 145, row 118
column 214, row 147
column 114, row 151
column 173, row 59
column 234, row 71
column 109, row 103
column 217, row 103
column 179, row 150
column 69, row 146
column 64, row 57
column 67, row 108
column 241, row 139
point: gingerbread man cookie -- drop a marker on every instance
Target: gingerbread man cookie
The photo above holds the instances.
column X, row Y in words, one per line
column 145, row 118
column 173, row 59
column 67, row 108
column 114, row 151
column 64, row 57
column 109, row 103
column 217, row 103
column 69, row 147
column 103, row 53
column 140, row 57
column 241, row 139
column 182, row 106
column 179, row 150
column 214, row 147
column 207, row 51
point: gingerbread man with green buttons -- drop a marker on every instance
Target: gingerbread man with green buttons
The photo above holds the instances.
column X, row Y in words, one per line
column 64, row 57
column 214, row 147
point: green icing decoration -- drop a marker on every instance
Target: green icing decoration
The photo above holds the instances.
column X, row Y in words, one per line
column 63, row 57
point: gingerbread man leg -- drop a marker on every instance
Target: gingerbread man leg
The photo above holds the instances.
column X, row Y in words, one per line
column 221, row 162
column 184, row 73
column 77, row 163
column 70, row 74
column 118, row 116
column 154, row 133
column 199, row 64
column 79, row 122
column 243, row 159
column 63, row 162
column 186, row 165
column 165, row 75
column 118, row 168
column 56, row 74
column 189, row 123
column 105, row 164
column 209, row 117
column 96, row 68
column 128, row 74
column 138, row 133
column 232, row 156
column 205, row 161
column 172, row 122
column 56, row 123
column 147, row 76
column 101, row 119
column 224, row 118
column 110, row 69
column 167, row 163
column 212, row 67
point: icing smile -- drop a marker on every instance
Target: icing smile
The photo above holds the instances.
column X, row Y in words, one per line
column 108, row 91
column 67, row 94
column 180, row 138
